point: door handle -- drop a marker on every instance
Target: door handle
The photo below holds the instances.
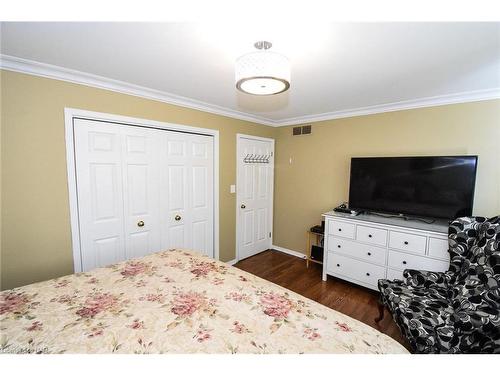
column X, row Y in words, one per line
column 177, row 218
column 243, row 206
column 140, row 223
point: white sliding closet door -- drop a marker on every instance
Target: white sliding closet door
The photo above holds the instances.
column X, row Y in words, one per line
column 100, row 193
column 142, row 190
column 188, row 183
column 201, row 168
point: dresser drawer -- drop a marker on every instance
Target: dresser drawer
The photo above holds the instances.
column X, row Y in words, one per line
column 355, row 269
column 371, row 235
column 438, row 248
column 341, row 229
column 394, row 274
column 403, row 261
column 408, row 242
column 365, row 252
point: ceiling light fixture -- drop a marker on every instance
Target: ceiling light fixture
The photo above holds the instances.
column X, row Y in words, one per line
column 262, row 72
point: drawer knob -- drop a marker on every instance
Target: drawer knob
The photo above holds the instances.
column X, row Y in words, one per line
column 340, row 230
column 370, row 236
column 339, row 246
column 369, row 254
column 404, row 261
column 338, row 265
column 406, row 242
column 368, row 274
column 140, row 223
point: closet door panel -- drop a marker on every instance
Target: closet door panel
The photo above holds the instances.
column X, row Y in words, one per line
column 174, row 200
column 107, row 251
column 104, row 184
column 187, row 176
column 176, row 237
column 141, row 185
column 100, row 194
column 139, row 244
column 201, row 189
column 177, row 187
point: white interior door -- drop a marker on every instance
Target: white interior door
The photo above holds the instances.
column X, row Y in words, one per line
column 141, row 190
column 254, row 194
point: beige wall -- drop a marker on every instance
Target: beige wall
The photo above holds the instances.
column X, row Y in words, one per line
column 317, row 179
column 36, row 242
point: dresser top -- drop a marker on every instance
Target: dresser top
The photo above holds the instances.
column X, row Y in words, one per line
column 439, row 226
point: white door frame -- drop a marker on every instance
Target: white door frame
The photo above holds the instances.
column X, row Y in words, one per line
column 71, row 113
column 271, row 211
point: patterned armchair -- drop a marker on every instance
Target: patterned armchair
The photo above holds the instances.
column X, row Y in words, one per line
column 457, row 311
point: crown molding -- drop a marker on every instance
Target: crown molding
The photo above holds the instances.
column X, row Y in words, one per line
column 434, row 101
column 21, row 65
column 36, row 68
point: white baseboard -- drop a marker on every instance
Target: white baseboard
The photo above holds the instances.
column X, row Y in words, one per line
column 288, row 251
column 278, row 248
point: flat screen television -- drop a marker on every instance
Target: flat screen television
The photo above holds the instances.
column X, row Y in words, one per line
column 423, row 186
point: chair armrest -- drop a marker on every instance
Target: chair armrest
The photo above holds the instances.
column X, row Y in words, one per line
column 418, row 278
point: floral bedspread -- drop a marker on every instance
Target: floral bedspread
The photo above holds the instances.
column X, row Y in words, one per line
column 175, row 302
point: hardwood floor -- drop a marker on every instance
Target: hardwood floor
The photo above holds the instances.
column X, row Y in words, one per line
column 290, row 272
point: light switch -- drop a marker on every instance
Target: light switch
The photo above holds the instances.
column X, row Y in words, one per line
column 232, row 189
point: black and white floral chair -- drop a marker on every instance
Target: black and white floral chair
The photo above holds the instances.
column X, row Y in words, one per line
column 457, row 311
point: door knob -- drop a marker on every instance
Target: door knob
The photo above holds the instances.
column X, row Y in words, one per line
column 243, row 206
column 177, row 217
column 140, row 223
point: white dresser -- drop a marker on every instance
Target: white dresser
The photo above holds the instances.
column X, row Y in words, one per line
column 365, row 248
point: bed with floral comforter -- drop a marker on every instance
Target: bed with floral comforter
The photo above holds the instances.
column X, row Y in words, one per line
column 175, row 302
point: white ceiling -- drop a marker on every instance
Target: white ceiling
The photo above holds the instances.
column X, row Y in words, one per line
column 337, row 69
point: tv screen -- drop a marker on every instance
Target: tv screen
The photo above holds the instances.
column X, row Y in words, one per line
column 428, row 186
